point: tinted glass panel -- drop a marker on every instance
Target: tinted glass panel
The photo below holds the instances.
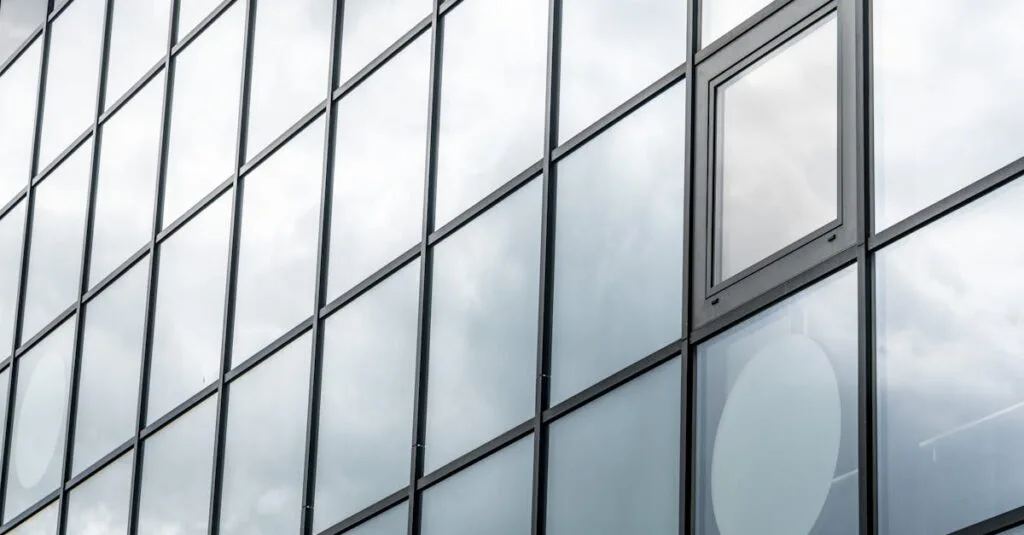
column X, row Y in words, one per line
column 778, row 170
column 610, row 51
column 18, row 19
column 263, row 471
column 720, row 16
column 619, row 246
column 394, row 521
column 777, row 418
column 138, row 40
column 18, row 88
column 204, row 115
column 192, row 12
column 189, row 309
column 12, row 232
column 492, row 98
column 379, row 168
column 370, row 26
column 42, row 523
column 366, row 409
column 5, row 386
column 99, row 506
column 483, row 328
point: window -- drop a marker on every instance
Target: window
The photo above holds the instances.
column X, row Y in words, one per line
column 18, row 115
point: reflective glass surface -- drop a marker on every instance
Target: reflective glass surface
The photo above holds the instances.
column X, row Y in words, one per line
column 138, row 40
column 720, row 16
column 99, row 506
column 394, row 521
column 12, row 233
column 18, row 88
column 5, row 387
column 18, row 19
column 192, row 12
column 778, row 178
column 483, row 327
column 492, row 99
column 379, row 168
column 370, row 26
column 618, row 284
column 777, row 420
column 42, row 523
column 366, row 406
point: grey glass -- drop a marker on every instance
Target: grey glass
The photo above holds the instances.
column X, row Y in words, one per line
column 290, row 65
column 277, row 251
column 42, row 523
column 610, row 51
column 778, row 172
column 949, row 370
column 138, row 40
column 72, row 76
column 204, row 114
column 371, row 26
column 1015, row 531
column 366, row 407
column 174, row 496
column 192, row 12
column 18, row 19
column 37, row 436
column 468, row 504
column 618, row 283
column 126, row 181
column 18, row 88
column 108, row 382
column 263, row 470
column 99, row 506
column 12, row 232
column 613, row 465
column 483, row 328
column 379, row 168
column 492, row 99
column 394, row 521
column 5, row 387
column 777, row 421
column 58, row 231
column 720, row 16
column 947, row 109
column 189, row 309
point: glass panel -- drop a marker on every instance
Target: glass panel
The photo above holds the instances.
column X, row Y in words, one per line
column 778, row 173
column 483, row 328
column 108, row 384
column 42, row 523
column 611, row 50
column 189, row 309
column 467, row 504
column 951, row 411
column 948, row 109
column 492, row 99
column 1015, row 531
column 720, row 16
column 129, row 155
column 618, row 290
column 72, row 76
column 394, row 521
column 777, row 418
column 12, row 232
column 263, row 471
column 204, row 116
column 5, row 386
column 37, row 437
column 192, row 12
column 175, row 493
column 99, row 506
column 379, row 168
column 613, row 466
column 138, row 40
column 290, row 65
column 366, row 411
column 58, row 231
column 370, row 26
column 18, row 19
column 18, row 88
column 277, row 252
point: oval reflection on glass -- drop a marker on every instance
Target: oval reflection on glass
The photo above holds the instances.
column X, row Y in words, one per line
column 36, row 445
column 771, row 471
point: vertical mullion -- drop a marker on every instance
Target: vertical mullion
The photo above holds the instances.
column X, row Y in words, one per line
column 687, row 427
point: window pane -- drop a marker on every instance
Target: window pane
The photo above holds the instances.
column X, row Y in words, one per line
column 379, row 168
column 42, row 523
column 619, row 246
column 483, row 328
column 138, row 40
column 18, row 19
column 58, row 230
column 613, row 466
column 108, row 387
column 126, row 184
column 948, row 110
column 610, row 51
column 204, row 116
column 394, row 521
column 371, row 26
column 263, row 470
column 37, row 439
column 189, row 309
column 467, row 504
column 949, row 347
column 366, row 411
column 192, row 12
column 5, row 386
column 492, row 98
column 12, row 232
column 18, row 88
column 72, row 76
column 780, row 163
column 290, row 66
column 99, row 506
column 777, row 418
column 277, row 253
column 175, row 493
column 720, row 16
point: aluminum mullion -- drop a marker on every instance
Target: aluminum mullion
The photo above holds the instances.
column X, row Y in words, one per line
column 687, row 411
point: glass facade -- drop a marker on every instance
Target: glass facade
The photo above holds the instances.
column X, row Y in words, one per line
column 531, row 267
